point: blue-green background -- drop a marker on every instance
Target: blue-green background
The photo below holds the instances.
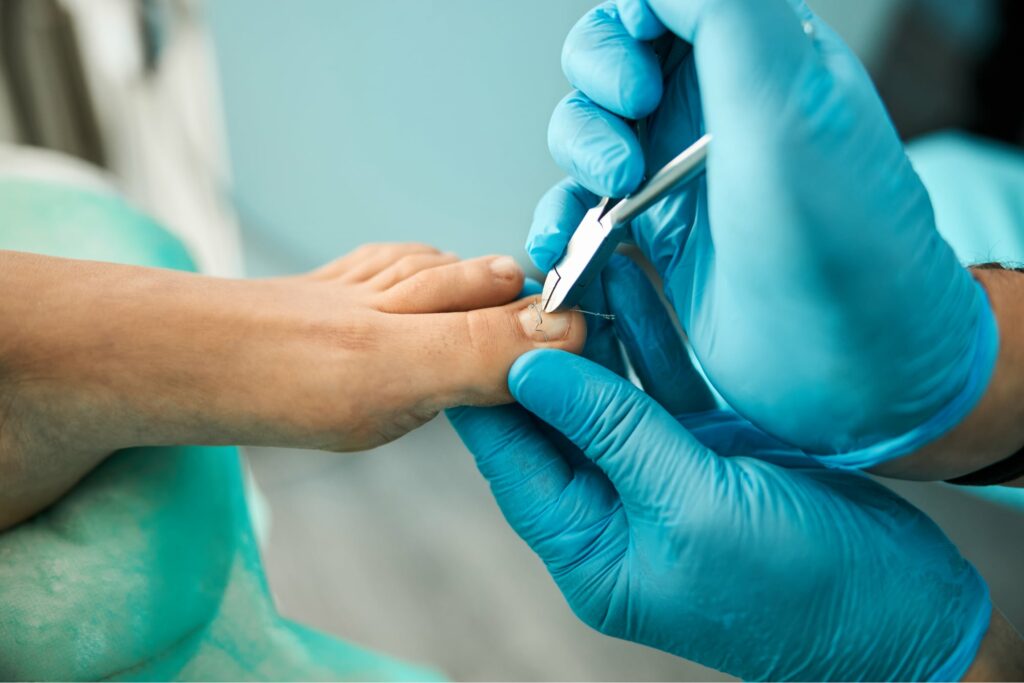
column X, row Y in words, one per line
column 353, row 120
column 358, row 120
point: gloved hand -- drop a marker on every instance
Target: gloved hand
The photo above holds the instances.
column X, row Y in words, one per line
column 655, row 534
column 805, row 268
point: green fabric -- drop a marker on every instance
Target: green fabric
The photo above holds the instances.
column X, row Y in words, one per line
column 148, row 569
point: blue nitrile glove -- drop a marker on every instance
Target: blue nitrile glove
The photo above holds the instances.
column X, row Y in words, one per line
column 806, row 267
column 655, row 535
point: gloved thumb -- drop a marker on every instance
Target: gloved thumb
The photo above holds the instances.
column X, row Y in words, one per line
column 637, row 443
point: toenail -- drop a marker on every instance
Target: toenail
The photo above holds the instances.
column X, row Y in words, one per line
column 505, row 268
column 544, row 327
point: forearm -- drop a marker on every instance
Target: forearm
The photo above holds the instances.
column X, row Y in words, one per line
column 994, row 430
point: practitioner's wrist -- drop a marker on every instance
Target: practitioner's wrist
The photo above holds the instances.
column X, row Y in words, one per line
column 1001, row 655
column 994, row 430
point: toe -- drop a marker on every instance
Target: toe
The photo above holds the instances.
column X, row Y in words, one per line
column 464, row 358
column 369, row 260
column 407, row 266
column 462, row 286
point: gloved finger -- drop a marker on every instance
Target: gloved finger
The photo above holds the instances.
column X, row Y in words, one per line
column 557, row 214
column 611, row 67
column 753, row 59
column 602, row 345
column 654, row 346
column 636, row 442
column 663, row 241
column 678, row 124
column 595, row 147
column 530, row 288
column 562, row 513
column 679, row 121
column 639, row 20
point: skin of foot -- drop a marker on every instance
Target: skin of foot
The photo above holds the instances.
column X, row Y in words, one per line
column 97, row 357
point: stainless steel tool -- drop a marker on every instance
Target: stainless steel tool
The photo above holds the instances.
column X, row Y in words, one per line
column 605, row 226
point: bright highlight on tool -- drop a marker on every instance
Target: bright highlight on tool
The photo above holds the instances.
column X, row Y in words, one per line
column 604, row 227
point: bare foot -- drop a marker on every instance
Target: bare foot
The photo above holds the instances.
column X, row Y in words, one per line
column 96, row 357
column 428, row 332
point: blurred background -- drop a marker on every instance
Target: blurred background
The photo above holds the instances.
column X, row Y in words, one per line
column 272, row 137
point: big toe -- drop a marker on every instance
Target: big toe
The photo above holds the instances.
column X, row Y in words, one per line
column 464, row 358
